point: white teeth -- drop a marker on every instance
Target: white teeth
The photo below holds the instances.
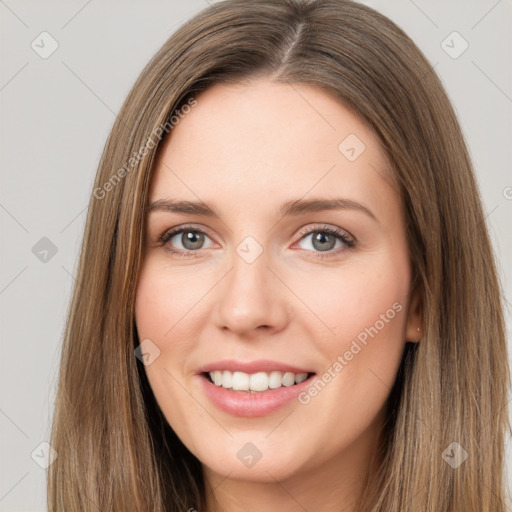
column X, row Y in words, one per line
column 261, row 381
column 258, row 381
column 227, row 379
column 216, row 377
column 240, row 381
column 288, row 379
column 275, row 380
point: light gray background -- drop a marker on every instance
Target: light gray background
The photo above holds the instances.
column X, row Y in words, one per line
column 56, row 114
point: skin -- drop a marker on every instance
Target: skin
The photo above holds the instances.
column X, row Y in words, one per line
column 246, row 149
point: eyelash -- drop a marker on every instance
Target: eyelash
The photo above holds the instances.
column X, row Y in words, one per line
column 336, row 232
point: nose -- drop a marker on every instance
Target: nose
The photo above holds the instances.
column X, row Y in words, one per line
column 250, row 299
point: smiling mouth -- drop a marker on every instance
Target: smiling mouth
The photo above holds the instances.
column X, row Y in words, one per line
column 256, row 382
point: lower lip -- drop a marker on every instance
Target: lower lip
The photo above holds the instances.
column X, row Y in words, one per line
column 249, row 405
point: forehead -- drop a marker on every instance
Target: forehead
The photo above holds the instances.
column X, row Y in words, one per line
column 249, row 144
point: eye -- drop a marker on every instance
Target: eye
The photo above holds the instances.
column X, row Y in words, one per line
column 324, row 240
column 190, row 238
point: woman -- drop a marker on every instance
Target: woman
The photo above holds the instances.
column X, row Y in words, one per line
column 217, row 356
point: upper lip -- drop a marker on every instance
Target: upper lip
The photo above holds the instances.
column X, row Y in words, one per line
column 261, row 365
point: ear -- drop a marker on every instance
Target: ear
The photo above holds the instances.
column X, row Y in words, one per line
column 414, row 328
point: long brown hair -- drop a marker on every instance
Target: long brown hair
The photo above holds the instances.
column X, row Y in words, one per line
column 115, row 448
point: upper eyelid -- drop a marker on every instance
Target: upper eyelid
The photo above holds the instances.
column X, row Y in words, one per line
column 178, row 229
column 326, row 227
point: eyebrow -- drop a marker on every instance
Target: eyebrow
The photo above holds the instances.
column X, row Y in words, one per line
column 290, row 208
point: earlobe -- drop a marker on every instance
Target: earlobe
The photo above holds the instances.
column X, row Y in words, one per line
column 414, row 318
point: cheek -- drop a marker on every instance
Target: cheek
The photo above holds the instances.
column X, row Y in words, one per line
column 150, row 303
column 163, row 300
column 344, row 303
column 160, row 315
column 357, row 325
column 365, row 309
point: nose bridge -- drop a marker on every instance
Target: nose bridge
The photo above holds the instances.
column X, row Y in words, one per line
column 247, row 298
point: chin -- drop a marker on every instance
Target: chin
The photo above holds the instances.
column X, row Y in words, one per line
column 256, row 462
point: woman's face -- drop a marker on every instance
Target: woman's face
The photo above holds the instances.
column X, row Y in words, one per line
column 258, row 286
